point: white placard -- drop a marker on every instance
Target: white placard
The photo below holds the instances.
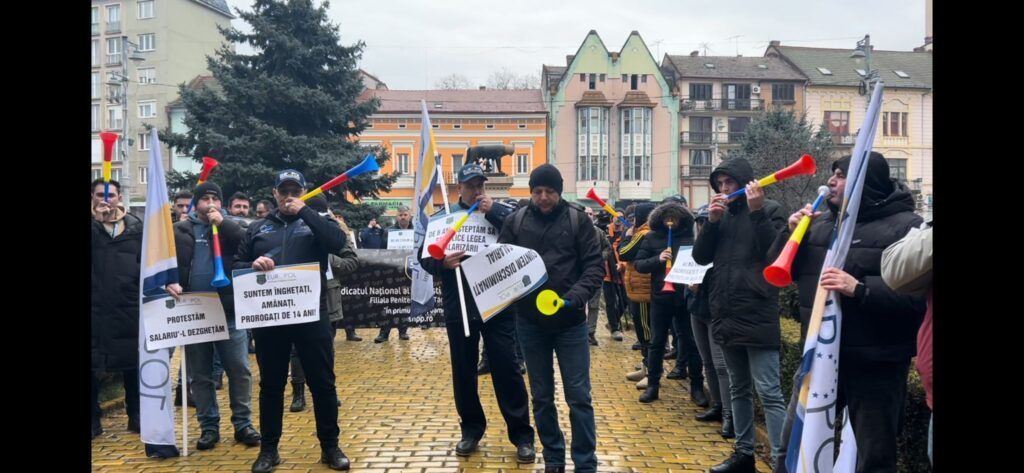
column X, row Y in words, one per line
column 197, row 318
column 685, row 270
column 501, row 274
column 475, row 234
column 400, row 239
column 286, row 295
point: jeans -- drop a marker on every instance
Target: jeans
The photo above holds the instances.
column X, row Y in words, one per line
column 750, row 367
column 714, row 364
column 235, row 357
column 572, row 349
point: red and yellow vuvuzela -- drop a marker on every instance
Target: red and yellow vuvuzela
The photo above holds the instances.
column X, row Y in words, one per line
column 108, row 153
column 804, row 166
column 779, row 273
column 592, row 195
column 437, row 248
column 208, row 165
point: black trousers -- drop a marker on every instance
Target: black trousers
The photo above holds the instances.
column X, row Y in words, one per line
column 664, row 316
column 875, row 394
column 642, row 325
column 130, row 379
column 314, row 344
column 613, row 305
column 509, row 387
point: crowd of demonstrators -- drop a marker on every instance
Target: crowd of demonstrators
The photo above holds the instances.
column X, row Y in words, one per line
column 726, row 330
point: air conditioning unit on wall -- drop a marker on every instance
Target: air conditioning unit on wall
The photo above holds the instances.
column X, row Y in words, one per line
column 755, row 89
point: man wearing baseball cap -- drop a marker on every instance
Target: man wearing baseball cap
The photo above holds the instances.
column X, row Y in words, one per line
column 293, row 234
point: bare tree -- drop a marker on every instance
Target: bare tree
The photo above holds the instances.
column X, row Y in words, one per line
column 452, row 82
column 506, row 79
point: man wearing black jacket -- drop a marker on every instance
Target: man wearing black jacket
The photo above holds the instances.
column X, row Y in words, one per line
column 655, row 252
column 565, row 239
column 294, row 234
column 193, row 241
column 879, row 333
column 744, row 307
column 498, row 333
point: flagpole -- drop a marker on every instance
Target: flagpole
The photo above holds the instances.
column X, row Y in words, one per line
column 184, row 403
column 458, row 269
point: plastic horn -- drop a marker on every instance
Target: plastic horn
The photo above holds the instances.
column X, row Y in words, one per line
column 108, row 154
column 219, row 279
column 592, row 195
column 549, row 302
column 668, row 287
column 779, row 274
column 368, row 165
column 208, row 165
column 804, row 166
column 437, row 248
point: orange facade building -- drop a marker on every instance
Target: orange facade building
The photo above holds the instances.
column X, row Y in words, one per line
column 460, row 119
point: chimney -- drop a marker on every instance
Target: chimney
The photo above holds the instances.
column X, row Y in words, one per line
column 568, row 59
column 695, row 54
column 483, row 87
column 775, row 43
column 615, row 56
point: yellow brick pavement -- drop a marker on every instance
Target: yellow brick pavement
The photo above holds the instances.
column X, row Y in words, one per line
column 398, row 415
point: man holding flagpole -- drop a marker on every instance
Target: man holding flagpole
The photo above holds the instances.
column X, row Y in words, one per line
column 879, row 325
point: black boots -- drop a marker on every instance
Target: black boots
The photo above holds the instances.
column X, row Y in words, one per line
column 298, row 397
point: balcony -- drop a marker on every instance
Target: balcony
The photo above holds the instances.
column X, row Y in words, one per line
column 723, row 105
column 782, row 104
column 709, row 138
column 113, row 27
column 843, row 139
column 695, row 171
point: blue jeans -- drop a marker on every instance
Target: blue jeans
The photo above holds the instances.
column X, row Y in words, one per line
column 760, row 365
column 571, row 347
column 235, row 357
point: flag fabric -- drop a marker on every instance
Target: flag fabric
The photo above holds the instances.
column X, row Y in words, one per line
column 811, row 442
column 159, row 268
column 426, row 180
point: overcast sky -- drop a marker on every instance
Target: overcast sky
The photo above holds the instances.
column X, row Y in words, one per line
column 410, row 44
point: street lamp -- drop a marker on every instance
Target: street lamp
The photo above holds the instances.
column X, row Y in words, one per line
column 121, row 96
column 863, row 50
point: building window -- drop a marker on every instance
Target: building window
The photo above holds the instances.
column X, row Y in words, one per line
column 403, row 163
column 894, row 124
column 115, row 174
column 114, row 118
column 700, row 91
column 783, row 92
column 456, row 165
column 602, row 78
column 113, row 50
column 700, row 162
column 838, row 123
column 143, row 141
column 113, row 13
column 624, row 78
column 643, row 78
column 457, row 127
column 632, row 82
column 435, row 125
column 95, row 85
column 147, row 42
column 147, row 109
column 147, row 75
column 592, row 144
column 143, row 173
column 95, row 52
column 401, row 125
column 636, row 144
column 737, row 127
column 95, row 20
column 700, row 130
column 146, row 9
column 522, row 164
column 489, row 126
column 95, row 117
column 522, row 126
column 583, row 77
column 897, row 169
column 592, row 83
column 737, row 95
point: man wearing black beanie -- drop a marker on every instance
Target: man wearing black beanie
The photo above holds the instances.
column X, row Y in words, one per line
column 193, row 241
column 564, row 237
